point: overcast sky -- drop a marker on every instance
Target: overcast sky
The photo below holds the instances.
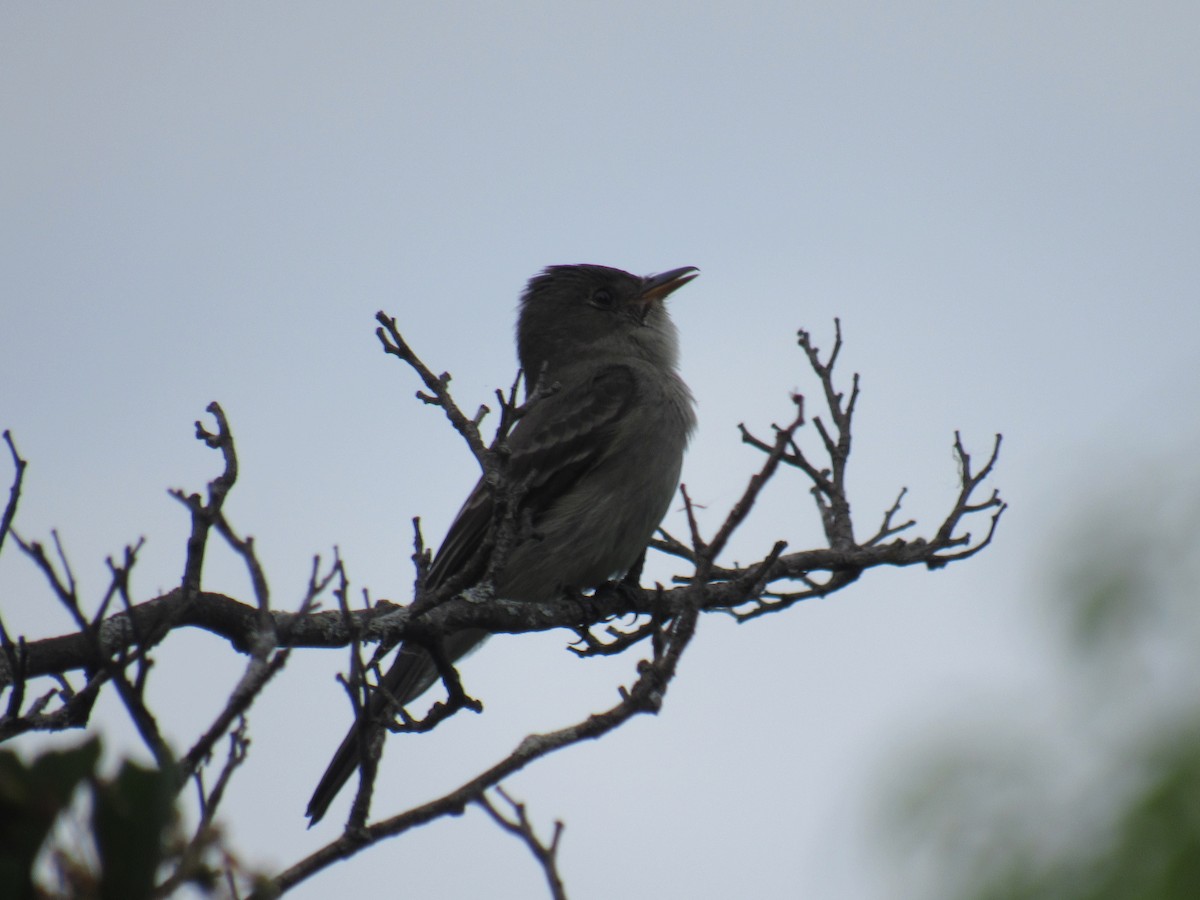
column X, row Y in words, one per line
column 210, row 202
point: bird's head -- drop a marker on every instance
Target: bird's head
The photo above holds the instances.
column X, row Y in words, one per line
column 571, row 313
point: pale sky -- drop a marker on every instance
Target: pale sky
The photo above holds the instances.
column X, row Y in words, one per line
column 202, row 202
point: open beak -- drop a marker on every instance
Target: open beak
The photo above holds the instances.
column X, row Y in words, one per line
column 657, row 287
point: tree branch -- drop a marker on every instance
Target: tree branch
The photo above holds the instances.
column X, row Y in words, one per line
column 106, row 644
column 545, row 854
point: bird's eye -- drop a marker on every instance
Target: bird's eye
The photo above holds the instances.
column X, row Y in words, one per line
column 601, row 299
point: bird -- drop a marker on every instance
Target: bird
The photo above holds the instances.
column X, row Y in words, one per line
column 599, row 452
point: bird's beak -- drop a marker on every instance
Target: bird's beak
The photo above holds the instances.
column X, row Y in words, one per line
column 657, row 287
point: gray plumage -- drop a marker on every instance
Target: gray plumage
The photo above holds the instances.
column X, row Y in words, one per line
column 600, row 452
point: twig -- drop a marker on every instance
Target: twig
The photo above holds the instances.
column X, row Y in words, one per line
column 393, row 343
column 741, row 509
column 545, row 854
column 887, row 529
column 14, row 491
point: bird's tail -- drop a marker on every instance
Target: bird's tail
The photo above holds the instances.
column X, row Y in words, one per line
column 412, row 673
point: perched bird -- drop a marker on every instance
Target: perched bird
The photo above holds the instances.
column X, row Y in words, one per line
column 599, row 450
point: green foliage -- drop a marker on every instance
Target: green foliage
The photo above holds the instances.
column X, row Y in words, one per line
column 131, row 816
column 133, row 828
column 1157, row 852
column 31, row 799
column 1102, row 801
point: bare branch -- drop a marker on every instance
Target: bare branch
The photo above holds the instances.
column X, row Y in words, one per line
column 672, row 546
column 205, row 838
column 14, row 491
column 393, row 343
column 203, row 516
column 887, row 529
column 645, row 696
column 267, row 658
column 545, row 854
column 945, row 537
column 741, row 509
column 609, row 620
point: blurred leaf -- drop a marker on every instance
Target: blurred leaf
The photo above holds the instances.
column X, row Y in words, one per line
column 132, row 817
column 1101, row 801
column 1157, row 852
column 31, row 799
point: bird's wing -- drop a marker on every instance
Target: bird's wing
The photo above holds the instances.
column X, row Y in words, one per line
column 558, row 440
